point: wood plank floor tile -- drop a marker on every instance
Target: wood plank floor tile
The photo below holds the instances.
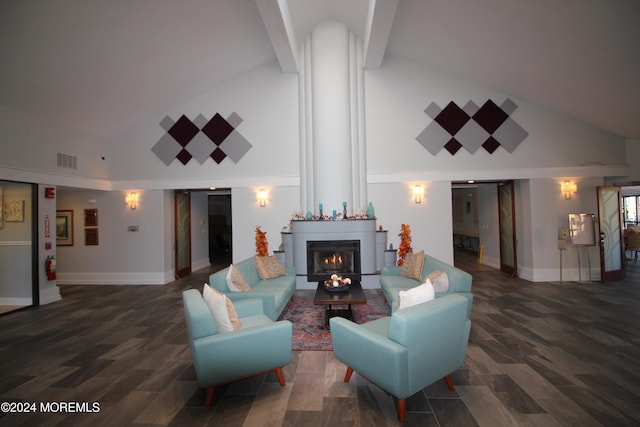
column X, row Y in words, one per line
column 540, row 354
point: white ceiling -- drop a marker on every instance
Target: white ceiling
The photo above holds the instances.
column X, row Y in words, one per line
column 103, row 66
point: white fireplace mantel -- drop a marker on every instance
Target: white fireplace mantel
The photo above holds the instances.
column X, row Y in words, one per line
column 363, row 230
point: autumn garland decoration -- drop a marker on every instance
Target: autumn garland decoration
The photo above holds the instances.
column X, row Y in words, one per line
column 262, row 245
column 405, row 243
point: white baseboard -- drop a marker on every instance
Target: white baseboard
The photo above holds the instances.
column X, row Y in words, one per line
column 114, row 278
column 52, row 294
column 16, row 301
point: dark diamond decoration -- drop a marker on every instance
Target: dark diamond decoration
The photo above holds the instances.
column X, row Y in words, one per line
column 453, row 146
column 184, row 156
column 217, row 129
column 453, row 128
column 192, row 139
column 490, row 116
column 491, row 145
column 452, row 118
column 183, row 130
column 218, row 155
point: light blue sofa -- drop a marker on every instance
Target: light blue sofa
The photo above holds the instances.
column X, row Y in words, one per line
column 392, row 283
column 274, row 293
column 407, row 351
column 260, row 346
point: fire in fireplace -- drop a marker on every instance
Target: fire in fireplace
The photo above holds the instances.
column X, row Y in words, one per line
column 326, row 257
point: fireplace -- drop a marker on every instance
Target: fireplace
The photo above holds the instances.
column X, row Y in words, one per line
column 326, row 257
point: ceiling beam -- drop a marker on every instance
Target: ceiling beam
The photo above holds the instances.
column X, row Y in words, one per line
column 378, row 27
column 277, row 21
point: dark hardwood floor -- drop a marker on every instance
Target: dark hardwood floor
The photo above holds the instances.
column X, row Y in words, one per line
column 540, row 354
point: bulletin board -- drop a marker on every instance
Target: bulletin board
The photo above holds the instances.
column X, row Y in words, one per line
column 582, row 229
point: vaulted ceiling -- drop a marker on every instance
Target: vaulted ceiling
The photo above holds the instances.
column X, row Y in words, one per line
column 103, row 66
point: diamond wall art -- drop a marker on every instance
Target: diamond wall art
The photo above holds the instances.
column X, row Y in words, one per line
column 489, row 126
column 200, row 139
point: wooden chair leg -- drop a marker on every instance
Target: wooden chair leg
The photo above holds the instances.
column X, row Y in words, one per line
column 449, row 382
column 347, row 376
column 280, row 376
column 209, row 398
column 402, row 410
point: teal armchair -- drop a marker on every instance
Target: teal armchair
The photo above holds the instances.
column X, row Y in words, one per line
column 262, row 345
column 407, row 351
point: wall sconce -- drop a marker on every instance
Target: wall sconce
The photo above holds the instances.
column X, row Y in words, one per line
column 132, row 201
column 568, row 188
column 418, row 192
column 262, row 198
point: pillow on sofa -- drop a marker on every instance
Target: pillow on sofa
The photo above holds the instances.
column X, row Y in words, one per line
column 222, row 309
column 417, row 295
column 440, row 280
column 236, row 281
column 269, row 267
column 412, row 266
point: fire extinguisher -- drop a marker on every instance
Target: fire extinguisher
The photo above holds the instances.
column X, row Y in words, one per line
column 50, row 267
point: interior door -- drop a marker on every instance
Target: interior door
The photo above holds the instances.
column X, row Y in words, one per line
column 507, row 224
column 611, row 240
column 182, row 202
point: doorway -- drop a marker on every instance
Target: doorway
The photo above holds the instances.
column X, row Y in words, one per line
column 220, row 229
column 484, row 222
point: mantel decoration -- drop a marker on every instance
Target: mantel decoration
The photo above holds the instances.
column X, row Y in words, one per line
column 335, row 215
column 262, row 245
column 405, row 243
column 337, row 283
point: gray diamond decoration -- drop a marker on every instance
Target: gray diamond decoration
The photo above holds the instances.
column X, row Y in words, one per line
column 234, row 120
column 472, row 136
column 166, row 123
column 508, row 106
column 510, row 135
column 433, row 137
column 235, row 146
column 470, row 108
column 200, row 121
column 166, row 148
column 200, row 147
column 433, row 110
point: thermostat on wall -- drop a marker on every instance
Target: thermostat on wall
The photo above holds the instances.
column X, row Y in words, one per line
column 133, row 228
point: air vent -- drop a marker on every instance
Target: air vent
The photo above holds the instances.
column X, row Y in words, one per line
column 67, row 161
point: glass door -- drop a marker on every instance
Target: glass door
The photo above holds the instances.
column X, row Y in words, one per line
column 611, row 241
column 507, row 224
column 182, row 202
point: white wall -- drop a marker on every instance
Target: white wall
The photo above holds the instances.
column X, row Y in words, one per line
column 247, row 215
column 121, row 257
column 266, row 100
column 430, row 221
column 31, row 143
column 397, row 95
column 489, row 230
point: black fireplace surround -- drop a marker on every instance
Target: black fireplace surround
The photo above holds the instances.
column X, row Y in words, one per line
column 326, row 257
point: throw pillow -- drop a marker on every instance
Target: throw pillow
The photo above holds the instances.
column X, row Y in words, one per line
column 236, row 281
column 417, row 295
column 222, row 309
column 440, row 280
column 412, row 266
column 269, row 267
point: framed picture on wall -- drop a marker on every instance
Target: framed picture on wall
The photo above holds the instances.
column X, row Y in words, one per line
column 91, row 237
column 90, row 217
column 1, row 204
column 14, row 211
column 64, row 228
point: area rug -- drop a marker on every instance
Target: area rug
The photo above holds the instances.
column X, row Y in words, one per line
column 309, row 330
